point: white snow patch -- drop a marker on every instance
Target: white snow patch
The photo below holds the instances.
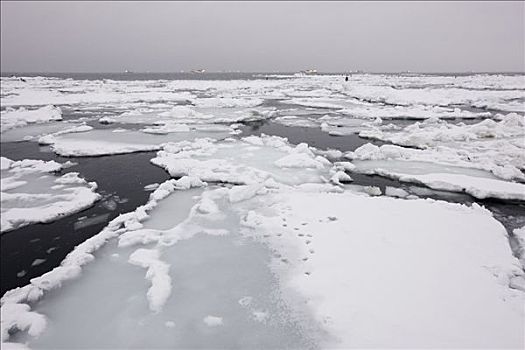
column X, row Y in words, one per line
column 242, row 162
column 396, row 192
column 473, row 182
column 12, row 118
column 519, row 234
column 20, row 317
column 213, row 321
column 30, row 194
column 151, row 187
column 340, row 278
column 158, row 274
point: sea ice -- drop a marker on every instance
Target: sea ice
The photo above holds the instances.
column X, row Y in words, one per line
column 213, row 321
column 106, row 142
column 258, row 243
column 30, row 194
column 320, row 254
column 247, row 161
column 33, row 132
column 396, row 192
column 346, row 283
column 12, row 118
column 445, row 157
column 477, row 183
column 437, row 132
column 519, row 234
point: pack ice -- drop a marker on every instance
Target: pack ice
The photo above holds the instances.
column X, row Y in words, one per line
column 251, row 245
column 255, row 242
column 481, row 159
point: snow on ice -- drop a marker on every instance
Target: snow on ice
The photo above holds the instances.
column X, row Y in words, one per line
column 257, row 242
column 323, row 252
column 12, row 118
column 107, row 142
column 321, row 242
column 31, row 193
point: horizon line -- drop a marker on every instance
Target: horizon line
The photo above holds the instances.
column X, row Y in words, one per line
column 264, row 72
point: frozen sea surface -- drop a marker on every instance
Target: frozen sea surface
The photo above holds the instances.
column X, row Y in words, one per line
column 267, row 211
column 53, row 241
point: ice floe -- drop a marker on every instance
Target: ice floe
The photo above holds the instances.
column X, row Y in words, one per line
column 495, row 146
column 12, row 118
column 33, row 132
column 391, row 161
column 506, row 167
column 107, row 142
column 328, row 240
column 227, row 102
column 434, row 132
column 30, row 193
column 247, row 161
column 320, row 252
column 478, row 187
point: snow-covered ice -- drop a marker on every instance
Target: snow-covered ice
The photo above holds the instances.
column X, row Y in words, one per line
column 247, row 161
column 213, row 321
column 107, row 142
column 33, row 132
column 404, row 294
column 447, row 170
column 31, row 193
column 256, row 242
column 12, row 118
column 478, row 183
column 498, row 146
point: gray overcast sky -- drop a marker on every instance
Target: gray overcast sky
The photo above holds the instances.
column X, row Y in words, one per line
column 262, row 36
